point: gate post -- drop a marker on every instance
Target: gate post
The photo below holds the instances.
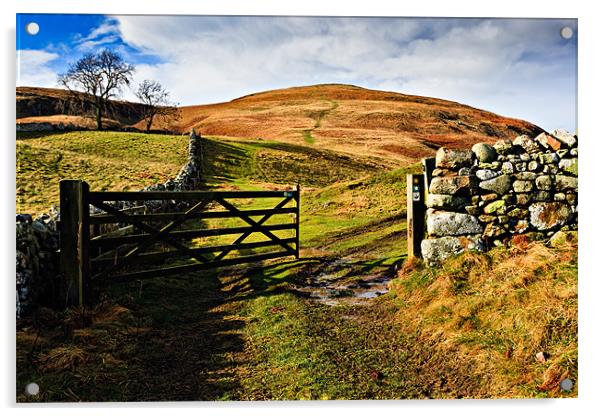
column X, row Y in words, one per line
column 74, row 242
column 298, row 209
column 415, row 213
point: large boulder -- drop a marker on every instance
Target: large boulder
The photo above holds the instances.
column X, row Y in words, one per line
column 486, row 174
column 484, row 152
column 565, row 137
column 435, row 250
column 454, row 185
column 452, row 159
column 441, row 223
column 569, row 165
column 527, row 143
column 548, row 141
column 566, row 183
column 498, row 206
column 560, row 238
column 500, row 185
column 446, row 201
column 547, row 215
column 523, row 186
column 503, row 146
column 544, row 182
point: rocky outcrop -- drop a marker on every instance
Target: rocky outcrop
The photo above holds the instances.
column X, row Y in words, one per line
column 482, row 197
column 29, row 127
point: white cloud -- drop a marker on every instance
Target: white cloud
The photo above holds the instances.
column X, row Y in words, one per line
column 105, row 34
column 502, row 65
column 216, row 59
column 33, row 68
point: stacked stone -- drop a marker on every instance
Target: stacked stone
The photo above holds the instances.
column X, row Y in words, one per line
column 482, row 197
column 37, row 260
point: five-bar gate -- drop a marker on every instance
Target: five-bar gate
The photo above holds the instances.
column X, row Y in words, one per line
column 92, row 257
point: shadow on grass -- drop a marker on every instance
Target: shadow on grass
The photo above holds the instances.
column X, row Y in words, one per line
column 224, row 162
column 182, row 353
column 165, row 339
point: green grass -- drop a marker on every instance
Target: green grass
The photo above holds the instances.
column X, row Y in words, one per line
column 318, row 116
column 106, row 160
column 131, row 161
column 307, row 136
column 341, row 216
column 258, row 162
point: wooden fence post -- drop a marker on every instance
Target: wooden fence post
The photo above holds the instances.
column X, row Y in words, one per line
column 298, row 202
column 415, row 213
column 74, row 242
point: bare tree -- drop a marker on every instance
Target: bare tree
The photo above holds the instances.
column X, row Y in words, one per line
column 155, row 100
column 102, row 75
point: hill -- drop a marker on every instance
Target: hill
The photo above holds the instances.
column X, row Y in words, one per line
column 54, row 105
column 341, row 118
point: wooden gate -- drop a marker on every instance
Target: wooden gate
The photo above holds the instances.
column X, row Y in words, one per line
column 92, row 258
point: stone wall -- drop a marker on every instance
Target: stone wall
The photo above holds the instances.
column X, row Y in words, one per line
column 486, row 196
column 37, row 265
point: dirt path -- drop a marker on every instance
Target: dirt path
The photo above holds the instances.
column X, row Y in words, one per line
column 318, row 116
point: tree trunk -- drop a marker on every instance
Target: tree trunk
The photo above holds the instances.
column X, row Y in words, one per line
column 99, row 108
column 149, row 123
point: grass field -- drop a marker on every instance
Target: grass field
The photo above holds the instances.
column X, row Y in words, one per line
column 106, row 160
column 468, row 329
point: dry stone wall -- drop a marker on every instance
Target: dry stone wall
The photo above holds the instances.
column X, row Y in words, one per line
column 485, row 196
column 37, row 264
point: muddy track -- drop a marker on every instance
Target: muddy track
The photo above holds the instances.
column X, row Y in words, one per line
column 318, row 116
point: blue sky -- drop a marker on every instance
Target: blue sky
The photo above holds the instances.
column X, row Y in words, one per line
column 515, row 67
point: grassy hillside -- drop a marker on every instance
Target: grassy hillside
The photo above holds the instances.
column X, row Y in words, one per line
column 342, row 118
column 106, row 160
column 470, row 328
column 350, row 119
column 130, row 161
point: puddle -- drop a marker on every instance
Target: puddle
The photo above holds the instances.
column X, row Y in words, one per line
column 335, row 285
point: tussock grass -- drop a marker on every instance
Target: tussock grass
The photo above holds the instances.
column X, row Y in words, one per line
column 499, row 309
column 62, row 358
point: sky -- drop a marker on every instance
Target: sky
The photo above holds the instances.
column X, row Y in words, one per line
column 519, row 68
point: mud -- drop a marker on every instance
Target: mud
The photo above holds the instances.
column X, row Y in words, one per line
column 341, row 283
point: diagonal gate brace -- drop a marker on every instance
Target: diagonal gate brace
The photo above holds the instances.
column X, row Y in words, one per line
column 256, row 225
column 155, row 235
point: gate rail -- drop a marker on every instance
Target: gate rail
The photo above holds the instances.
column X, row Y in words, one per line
column 83, row 272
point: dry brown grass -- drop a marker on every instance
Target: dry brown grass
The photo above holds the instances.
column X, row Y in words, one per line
column 62, row 358
column 498, row 310
column 366, row 121
column 78, row 122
